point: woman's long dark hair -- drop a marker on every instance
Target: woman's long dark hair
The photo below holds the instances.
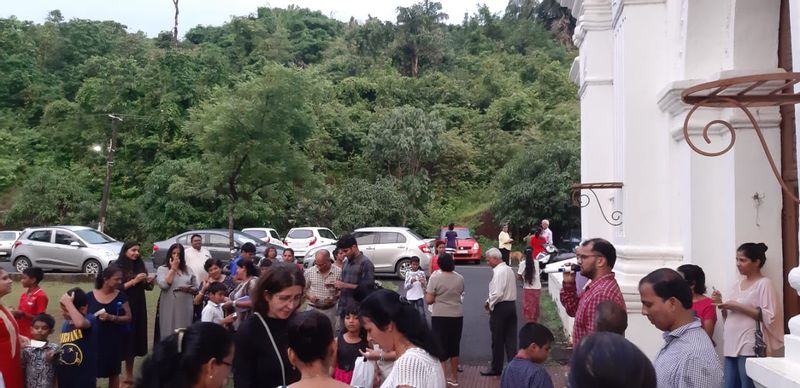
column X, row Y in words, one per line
column 129, row 267
column 383, row 307
column 181, row 256
column 310, row 336
column 529, row 266
column 695, row 276
column 106, row 274
column 177, row 361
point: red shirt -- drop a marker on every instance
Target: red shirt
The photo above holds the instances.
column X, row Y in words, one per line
column 705, row 310
column 537, row 244
column 434, row 263
column 584, row 308
column 33, row 304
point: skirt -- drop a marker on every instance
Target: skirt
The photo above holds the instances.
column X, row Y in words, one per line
column 448, row 331
column 530, row 304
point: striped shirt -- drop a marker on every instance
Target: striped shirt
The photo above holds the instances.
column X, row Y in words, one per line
column 688, row 359
column 584, row 308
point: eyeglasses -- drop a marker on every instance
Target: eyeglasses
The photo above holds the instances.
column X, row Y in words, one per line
column 225, row 363
column 584, row 257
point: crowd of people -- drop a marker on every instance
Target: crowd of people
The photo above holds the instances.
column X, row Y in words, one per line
column 245, row 322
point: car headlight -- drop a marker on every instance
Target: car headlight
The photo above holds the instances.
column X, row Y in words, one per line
column 476, row 246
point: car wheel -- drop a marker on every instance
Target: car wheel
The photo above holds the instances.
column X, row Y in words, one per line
column 22, row 263
column 92, row 267
column 403, row 266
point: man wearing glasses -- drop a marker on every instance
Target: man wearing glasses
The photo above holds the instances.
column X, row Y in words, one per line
column 596, row 258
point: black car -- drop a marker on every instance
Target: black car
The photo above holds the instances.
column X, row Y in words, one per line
column 215, row 240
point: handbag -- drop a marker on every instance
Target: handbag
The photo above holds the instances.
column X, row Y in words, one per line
column 760, row 347
column 363, row 373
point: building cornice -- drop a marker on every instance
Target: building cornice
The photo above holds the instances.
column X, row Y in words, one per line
column 618, row 5
column 591, row 15
column 585, row 83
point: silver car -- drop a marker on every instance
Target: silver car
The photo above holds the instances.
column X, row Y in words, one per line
column 66, row 248
column 390, row 248
column 7, row 238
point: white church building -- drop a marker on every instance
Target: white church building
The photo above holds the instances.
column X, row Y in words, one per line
column 660, row 202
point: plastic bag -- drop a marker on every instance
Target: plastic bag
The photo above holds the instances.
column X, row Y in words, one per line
column 363, row 373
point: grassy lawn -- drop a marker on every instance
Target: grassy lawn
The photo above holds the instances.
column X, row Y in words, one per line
column 548, row 316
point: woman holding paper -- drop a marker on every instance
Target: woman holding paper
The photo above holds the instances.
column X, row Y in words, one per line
column 113, row 312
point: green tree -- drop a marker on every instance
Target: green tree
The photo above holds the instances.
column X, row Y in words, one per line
column 535, row 184
column 54, row 195
column 250, row 135
column 404, row 141
column 420, row 33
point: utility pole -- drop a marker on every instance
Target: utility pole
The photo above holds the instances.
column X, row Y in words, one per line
column 115, row 120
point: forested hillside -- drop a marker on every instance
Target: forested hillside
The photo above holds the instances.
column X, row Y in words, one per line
column 287, row 117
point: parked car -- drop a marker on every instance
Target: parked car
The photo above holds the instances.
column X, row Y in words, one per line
column 308, row 260
column 7, row 238
column 302, row 239
column 67, row 248
column 467, row 247
column 215, row 240
column 267, row 235
column 390, row 248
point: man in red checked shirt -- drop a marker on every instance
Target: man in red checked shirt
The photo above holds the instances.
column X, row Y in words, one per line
column 596, row 258
column 32, row 302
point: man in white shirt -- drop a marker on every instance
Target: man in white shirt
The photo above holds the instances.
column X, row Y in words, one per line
column 502, row 308
column 196, row 257
column 547, row 234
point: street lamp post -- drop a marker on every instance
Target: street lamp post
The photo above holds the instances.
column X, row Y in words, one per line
column 115, row 120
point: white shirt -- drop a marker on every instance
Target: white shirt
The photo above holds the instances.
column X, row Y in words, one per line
column 416, row 368
column 503, row 287
column 504, row 240
column 536, row 283
column 547, row 235
column 212, row 313
column 196, row 260
column 414, row 289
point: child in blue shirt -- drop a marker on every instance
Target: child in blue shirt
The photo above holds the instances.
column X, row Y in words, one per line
column 78, row 364
column 525, row 370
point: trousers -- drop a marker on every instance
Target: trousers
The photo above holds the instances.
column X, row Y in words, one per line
column 503, row 325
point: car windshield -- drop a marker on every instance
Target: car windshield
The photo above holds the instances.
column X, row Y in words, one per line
column 416, row 236
column 92, row 236
column 247, row 238
column 460, row 233
column 255, row 233
column 300, row 233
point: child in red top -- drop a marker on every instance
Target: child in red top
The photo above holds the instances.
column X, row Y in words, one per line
column 440, row 248
column 32, row 302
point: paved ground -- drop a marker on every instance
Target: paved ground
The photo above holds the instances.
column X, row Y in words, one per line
column 476, row 338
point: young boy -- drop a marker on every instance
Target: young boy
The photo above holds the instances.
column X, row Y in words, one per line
column 525, row 370
column 78, row 365
column 213, row 310
column 32, row 302
column 415, row 286
column 38, row 360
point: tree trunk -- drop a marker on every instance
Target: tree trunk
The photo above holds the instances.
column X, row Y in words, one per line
column 414, row 64
column 230, row 226
column 175, row 27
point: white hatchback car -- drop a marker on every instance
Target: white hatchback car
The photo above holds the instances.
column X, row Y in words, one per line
column 267, row 235
column 390, row 248
column 304, row 238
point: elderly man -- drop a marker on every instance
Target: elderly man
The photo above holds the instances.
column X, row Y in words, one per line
column 196, row 256
column 320, row 289
column 547, row 234
column 596, row 258
column 502, row 308
column 688, row 358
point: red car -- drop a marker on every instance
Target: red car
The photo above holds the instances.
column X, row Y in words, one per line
column 467, row 248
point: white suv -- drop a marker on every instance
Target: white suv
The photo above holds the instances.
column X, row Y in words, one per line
column 390, row 248
column 301, row 239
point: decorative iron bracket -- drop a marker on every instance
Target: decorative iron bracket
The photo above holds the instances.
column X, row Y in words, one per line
column 743, row 93
column 583, row 200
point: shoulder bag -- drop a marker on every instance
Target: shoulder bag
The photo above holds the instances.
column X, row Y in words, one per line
column 760, row 347
column 274, row 346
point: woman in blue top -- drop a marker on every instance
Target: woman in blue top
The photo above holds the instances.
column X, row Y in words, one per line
column 113, row 313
